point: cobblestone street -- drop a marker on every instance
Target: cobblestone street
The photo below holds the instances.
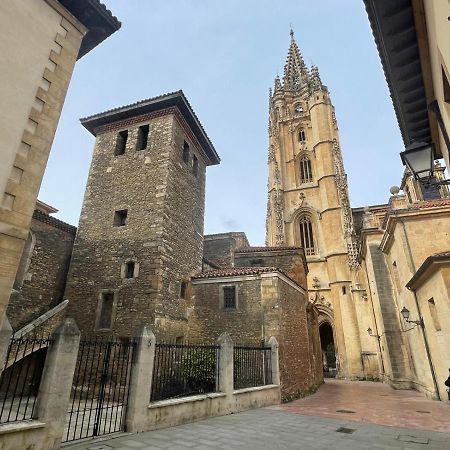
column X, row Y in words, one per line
column 311, row 423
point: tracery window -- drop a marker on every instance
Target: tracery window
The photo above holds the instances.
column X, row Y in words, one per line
column 305, row 170
column 301, row 136
column 307, row 235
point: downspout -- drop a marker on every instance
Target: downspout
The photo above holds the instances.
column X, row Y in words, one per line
column 422, row 325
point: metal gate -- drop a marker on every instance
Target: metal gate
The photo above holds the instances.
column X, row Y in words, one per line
column 99, row 396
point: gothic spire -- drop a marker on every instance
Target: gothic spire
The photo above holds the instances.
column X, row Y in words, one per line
column 314, row 78
column 295, row 71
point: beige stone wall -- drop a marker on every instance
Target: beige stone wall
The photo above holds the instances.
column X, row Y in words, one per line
column 39, row 44
column 437, row 13
column 436, row 290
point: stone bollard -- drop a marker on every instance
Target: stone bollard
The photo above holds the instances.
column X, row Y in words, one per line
column 56, row 383
column 141, row 382
column 226, row 368
column 273, row 344
column 5, row 340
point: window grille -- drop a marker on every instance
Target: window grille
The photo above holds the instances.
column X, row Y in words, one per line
column 307, row 236
column 229, row 297
column 305, row 170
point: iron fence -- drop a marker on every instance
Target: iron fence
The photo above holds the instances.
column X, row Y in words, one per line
column 181, row 370
column 252, row 366
column 20, row 378
column 99, row 394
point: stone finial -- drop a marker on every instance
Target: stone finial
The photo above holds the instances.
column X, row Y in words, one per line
column 68, row 328
column 225, row 338
column 277, row 84
column 314, row 79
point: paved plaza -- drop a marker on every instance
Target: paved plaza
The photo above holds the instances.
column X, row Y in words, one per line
column 311, row 423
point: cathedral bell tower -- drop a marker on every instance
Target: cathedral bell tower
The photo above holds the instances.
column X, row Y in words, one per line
column 308, row 203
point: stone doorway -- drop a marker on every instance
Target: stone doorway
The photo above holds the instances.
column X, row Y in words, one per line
column 328, row 350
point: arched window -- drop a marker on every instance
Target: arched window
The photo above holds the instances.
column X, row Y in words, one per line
column 305, row 170
column 301, row 136
column 306, row 235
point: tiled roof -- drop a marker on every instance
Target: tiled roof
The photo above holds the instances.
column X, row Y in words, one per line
column 235, row 271
column 45, row 218
column 264, row 249
column 430, row 203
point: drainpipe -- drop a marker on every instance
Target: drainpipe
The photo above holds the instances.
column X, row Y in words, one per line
column 422, row 325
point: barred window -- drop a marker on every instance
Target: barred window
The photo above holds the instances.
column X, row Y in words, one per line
column 229, row 297
column 307, row 236
column 301, row 136
column 305, row 170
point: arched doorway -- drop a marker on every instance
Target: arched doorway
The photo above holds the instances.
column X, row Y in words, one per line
column 328, row 350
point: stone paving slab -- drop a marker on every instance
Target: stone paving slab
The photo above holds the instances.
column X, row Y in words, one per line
column 268, row 429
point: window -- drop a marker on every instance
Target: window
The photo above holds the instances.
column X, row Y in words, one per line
column 446, row 86
column 344, row 290
column 142, row 139
column 305, row 170
column 183, row 289
column 121, row 143
column 186, row 152
column 306, row 235
column 120, row 218
column 298, row 108
column 229, row 297
column 129, row 269
column 106, row 310
column 195, row 166
column 301, row 136
column 434, row 315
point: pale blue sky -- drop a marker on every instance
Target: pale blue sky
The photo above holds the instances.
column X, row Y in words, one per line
column 225, row 55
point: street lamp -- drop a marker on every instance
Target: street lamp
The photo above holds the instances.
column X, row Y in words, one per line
column 419, row 158
column 405, row 314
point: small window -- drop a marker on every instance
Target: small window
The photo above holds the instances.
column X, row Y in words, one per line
column 121, row 143
column 129, row 269
column 120, row 218
column 446, row 86
column 183, row 289
column 106, row 310
column 305, row 170
column 298, row 108
column 344, row 290
column 229, row 297
column 434, row 315
column 186, row 152
column 195, row 166
column 301, row 136
column 142, row 139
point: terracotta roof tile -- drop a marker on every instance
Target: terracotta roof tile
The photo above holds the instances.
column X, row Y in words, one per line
column 430, row 203
column 235, row 271
column 265, row 249
column 53, row 221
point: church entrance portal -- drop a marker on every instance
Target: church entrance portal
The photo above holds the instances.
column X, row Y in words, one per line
column 328, row 350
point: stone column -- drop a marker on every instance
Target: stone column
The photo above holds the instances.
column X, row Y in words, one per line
column 226, row 367
column 141, row 382
column 273, row 344
column 5, row 339
column 56, row 383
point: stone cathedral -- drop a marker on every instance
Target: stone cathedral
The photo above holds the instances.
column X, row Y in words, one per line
column 308, row 203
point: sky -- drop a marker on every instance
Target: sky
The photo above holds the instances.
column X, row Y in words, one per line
column 225, row 56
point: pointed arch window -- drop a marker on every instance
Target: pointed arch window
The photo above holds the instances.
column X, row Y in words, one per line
column 307, row 235
column 301, row 136
column 305, row 170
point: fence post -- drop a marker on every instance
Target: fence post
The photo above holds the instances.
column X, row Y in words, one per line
column 5, row 340
column 273, row 344
column 56, row 382
column 226, row 364
column 141, row 381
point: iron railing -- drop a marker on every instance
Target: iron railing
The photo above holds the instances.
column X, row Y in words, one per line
column 252, row 366
column 99, row 394
column 20, row 378
column 181, row 370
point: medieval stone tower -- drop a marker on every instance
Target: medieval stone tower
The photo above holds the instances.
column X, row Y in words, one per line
column 308, row 202
column 140, row 235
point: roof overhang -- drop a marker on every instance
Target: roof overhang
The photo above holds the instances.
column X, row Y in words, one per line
column 431, row 264
column 96, row 18
column 174, row 99
column 400, row 34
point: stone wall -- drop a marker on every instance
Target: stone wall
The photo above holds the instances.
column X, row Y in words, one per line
column 42, row 274
column 219, row 248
